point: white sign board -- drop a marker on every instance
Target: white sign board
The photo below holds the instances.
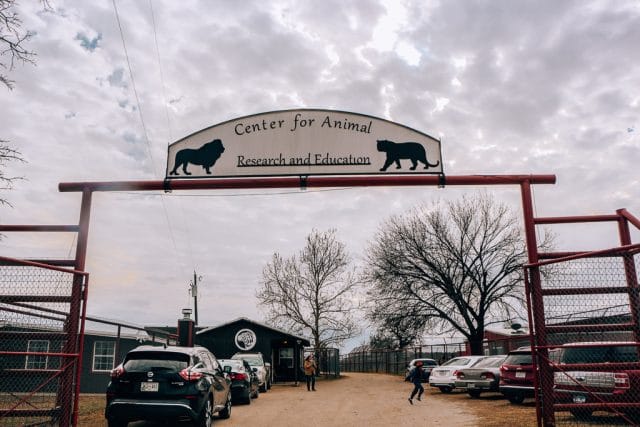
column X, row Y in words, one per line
column 304, row 142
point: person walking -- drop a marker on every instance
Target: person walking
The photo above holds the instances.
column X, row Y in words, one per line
column 310, row 368
column 415, row 376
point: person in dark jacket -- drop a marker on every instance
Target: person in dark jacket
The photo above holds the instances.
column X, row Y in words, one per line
column 415, row 376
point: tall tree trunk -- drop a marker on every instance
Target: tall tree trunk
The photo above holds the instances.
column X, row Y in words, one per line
column 475, row 343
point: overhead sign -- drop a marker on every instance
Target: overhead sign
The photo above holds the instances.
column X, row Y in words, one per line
column 304, row 142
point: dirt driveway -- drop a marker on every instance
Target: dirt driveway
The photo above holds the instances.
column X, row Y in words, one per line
column 353, row 400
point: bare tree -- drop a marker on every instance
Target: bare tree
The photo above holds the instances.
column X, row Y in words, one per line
column 12, row 41
column 455, row 268
column 313, row 292
column 12, row 50
column 6, row 182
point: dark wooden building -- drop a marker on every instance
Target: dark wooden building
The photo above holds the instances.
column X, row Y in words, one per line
column 102, row 352
column 283, row 350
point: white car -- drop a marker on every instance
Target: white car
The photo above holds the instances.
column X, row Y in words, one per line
column 263, row 369
column 444, row 376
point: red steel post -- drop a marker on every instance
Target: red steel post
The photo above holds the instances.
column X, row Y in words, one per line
column 68, row 399
column 630, row 274
column 544, row 388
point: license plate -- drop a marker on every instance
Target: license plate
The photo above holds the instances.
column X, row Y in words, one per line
column 471, row 385
column 579, row 398
column 148, row 386
column 521, row 374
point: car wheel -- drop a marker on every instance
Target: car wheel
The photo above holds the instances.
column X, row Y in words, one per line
column 247, row 398
column 516, row 398
column 581, row 414
column 114, row 422
column 205, row 418
column 226, row 412
column 474, row 393
column 263, row 387
column 269, row 385
column 445, row 389
column 256, row 394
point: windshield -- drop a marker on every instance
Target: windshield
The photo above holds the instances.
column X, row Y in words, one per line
column 518, row 359
column 235, row 364
column 600, row 354
column 457, row 361
column 490, row 362
column 156, row 361
column 253, row 360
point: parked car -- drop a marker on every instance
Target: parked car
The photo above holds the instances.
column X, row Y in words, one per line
column 598, row 372
column 427, row 366
column 263, row 368
column 168, row 383
column 516, row 375
column 483, row 376
column 244, row 380
column 444, row 376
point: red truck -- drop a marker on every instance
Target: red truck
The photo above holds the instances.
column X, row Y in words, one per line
column 603, row 376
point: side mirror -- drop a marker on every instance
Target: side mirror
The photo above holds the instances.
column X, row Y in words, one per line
column 227, row 369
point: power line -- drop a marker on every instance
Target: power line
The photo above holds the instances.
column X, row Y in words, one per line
column 140, row 115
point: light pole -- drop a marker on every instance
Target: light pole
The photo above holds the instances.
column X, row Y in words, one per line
column 193, row 290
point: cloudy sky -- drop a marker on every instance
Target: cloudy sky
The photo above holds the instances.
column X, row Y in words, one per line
column 510, row 87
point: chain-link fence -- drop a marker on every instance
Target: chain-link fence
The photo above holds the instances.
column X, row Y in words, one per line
column 587, row 338
column 41, row 325
column 396, row 361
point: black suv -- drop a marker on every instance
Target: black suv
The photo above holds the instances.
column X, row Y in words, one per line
column 175, row 383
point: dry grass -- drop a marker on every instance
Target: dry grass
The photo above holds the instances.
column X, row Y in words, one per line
column 492, row 409
column 91, row 412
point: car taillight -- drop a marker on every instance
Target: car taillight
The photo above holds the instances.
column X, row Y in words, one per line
column 621, row 381
column 117, row 372
column 459, row 374
column 239, row 376
column 487, row 376
column 189, row 375
column 504, row 368
column 456, row 372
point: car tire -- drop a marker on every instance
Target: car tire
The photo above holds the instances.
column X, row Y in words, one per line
column 114, row 422
column 269, row 385
column 256, row 394
column 205, row 418
column 474, row 393
column 226, row 412
column 263, row 387
column 581, row 414
column 247, row 398
column 516, row 398
column 446, row 389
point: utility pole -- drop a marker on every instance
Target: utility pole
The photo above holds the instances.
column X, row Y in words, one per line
column 193, row 290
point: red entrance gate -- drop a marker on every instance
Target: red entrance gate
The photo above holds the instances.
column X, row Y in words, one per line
column 524, row 181
column 41, row 342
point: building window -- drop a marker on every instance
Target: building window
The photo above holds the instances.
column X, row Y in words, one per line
column 286, row 357
column 104, row 353
column 35, row 361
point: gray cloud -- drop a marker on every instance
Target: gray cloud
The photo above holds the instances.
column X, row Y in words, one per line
column 511, row 87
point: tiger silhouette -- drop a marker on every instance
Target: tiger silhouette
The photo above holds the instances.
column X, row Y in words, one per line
column 396, row 151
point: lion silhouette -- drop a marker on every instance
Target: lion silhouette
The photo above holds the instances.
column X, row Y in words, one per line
column 205, row 156
column 413, row 151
